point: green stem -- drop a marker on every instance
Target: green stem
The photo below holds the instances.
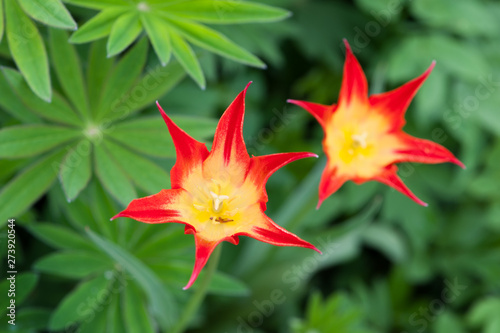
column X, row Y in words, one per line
column 197, row 298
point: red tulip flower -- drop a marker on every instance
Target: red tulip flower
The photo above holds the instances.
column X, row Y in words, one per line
column 218, row 195
column 364, row 137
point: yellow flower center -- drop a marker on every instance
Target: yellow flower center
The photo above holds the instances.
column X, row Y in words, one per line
column 212, row 205
column 356, row 146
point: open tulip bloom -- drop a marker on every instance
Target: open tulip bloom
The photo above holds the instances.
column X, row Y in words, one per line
column 363, row 135
column 218, row 195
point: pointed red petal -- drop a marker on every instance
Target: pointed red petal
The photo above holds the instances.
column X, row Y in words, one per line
column 204, row 249
column 228, row 141
column 262, row 167
column 395, row 102
column 319, row 111
column 390, row 178
column 330, row 183
column 269, row 232
column 156, row 208
column 190, row 153
column 425, row 151
column 354, row 85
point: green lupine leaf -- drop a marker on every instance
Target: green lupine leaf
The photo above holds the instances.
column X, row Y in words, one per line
column 144, row 173
column 97, row 27
column 147, row 135
column 186, row 57
column 98, row 4
column 226, row 11
column 60, row 237
column 76, row 265
column 77, row 305
column 386, row 240
column 98, row 322
column 162, row 302
column 114, row 320
column 223, row 284
column 28, row 51
column 123, row 32
column 112, row 177
column 32, row 320
column 150, row 134
column 99, row 68
column 122, row 78
column 103, row 208
column 28, row 186
column 2, row 24
column 30, row 140
column 58, row 110
column 157, row 30
column 76, row 169
column 215, row 42
column 154, row 84
column 79, row 214
column 134, row 311
column 8, row 168
column 447, row 51
column 174, row 272
column 11, row 103
column 153, row 246
column 50, row 12
column 464, row 17
column 68, row 70
column 25, row 282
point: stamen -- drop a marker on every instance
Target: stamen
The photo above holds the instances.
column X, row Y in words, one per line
column 359, row 140
column 218, row 201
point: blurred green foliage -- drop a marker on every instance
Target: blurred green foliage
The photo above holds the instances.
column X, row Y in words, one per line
column 81, row 137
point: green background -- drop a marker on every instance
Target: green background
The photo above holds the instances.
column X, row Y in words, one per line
column 388, row 264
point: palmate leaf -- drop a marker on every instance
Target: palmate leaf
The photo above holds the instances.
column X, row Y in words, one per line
column 98, row 4
column 157, row 30
column 27, row 49
column 99, row 67
column 57, row 111
column 11, row 104
column 215, row 42
column 134, row 311
column 120, row 80
column 31, row 140
column 170, row 25
column 76, row 169
column 149, row 135
column 68, row 70
column 97, row 27
column 227, row 12
column 123, row 32
column 145, row 174
column 162, row 302
column 50, row 12
column 72, row 264
column 112, row 177
column 118, row 89
column 186, row 57
column 60, row 237
column 80, row 304
column 2, row 23
column 28, row 186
